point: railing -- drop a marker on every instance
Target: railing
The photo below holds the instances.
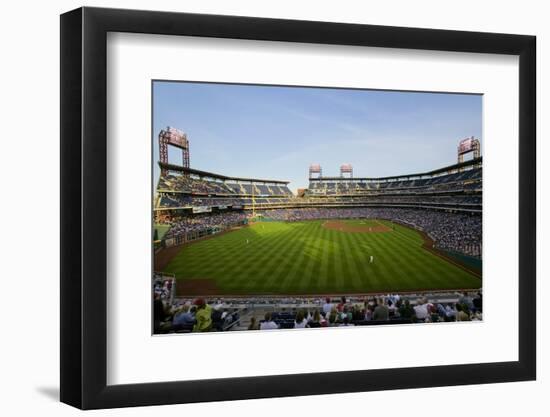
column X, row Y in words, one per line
column 234, row 323
column 471, row 250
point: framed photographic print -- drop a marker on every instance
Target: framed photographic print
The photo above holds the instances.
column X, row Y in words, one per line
column 294, row 207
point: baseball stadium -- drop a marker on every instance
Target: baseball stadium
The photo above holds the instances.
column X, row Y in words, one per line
column 237, row 253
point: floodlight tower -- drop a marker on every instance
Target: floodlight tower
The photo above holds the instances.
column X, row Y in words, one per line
column 315, row 171
column 466, row 146
column 346, row 169
column 173, row 137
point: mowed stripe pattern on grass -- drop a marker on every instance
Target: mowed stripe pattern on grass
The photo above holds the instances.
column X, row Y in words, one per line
column 306, row 258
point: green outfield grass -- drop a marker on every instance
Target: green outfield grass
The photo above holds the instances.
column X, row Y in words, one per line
column 307, row 258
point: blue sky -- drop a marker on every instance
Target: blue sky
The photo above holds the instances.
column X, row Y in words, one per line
column 277, row 132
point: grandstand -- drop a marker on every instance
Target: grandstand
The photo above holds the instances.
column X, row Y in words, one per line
column 457, row 187
column 184, row 188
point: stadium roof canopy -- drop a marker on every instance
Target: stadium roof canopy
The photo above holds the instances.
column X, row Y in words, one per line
column 471, row 162
column 206, row 174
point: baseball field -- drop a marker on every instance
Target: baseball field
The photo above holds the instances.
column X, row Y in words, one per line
column 316, row 257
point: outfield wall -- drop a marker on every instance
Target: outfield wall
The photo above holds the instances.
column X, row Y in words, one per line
column 472, row 262
column 190, row 236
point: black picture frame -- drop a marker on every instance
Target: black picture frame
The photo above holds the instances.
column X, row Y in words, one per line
column 84, row 207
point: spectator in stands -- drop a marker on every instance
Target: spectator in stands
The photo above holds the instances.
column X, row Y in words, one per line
column 394, row 298
column 315, row 320
column 442, row 313
column 406, row 311
column 381, row 311
column 478, row 302
column 357, row 313
column 341, row 304
column 461, row 313
column 203, row 316
column 159, row 313
column 476, row 316
column 450, row 312
column 268, row 323
column 184, row 318
column 398, row 305
column 253, row 325
column 333, row 316
column 467, row 301
column 433, row 315
column 230, row 319
column 300, row 322
column 391, row 307
column 324, row 320
column 217, row 318
column 421, row 309
column 346, row 312
column 227, row 318
column 369, row 311
column 327, row 307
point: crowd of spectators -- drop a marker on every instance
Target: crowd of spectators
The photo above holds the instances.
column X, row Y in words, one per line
column 175, row 200
column 204, row 222
column 192, row 185
column 168, row 200
column 448, row 182
column 163, row 287
column 450, row 231
column 389, row 309
column 311, row 213
column 195, row 316
column 200, row 315
column 183, row 200
column 188, row 184
column 461, row 199
column 461, row 190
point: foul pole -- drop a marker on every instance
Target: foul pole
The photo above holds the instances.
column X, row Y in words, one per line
column 253, row 202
